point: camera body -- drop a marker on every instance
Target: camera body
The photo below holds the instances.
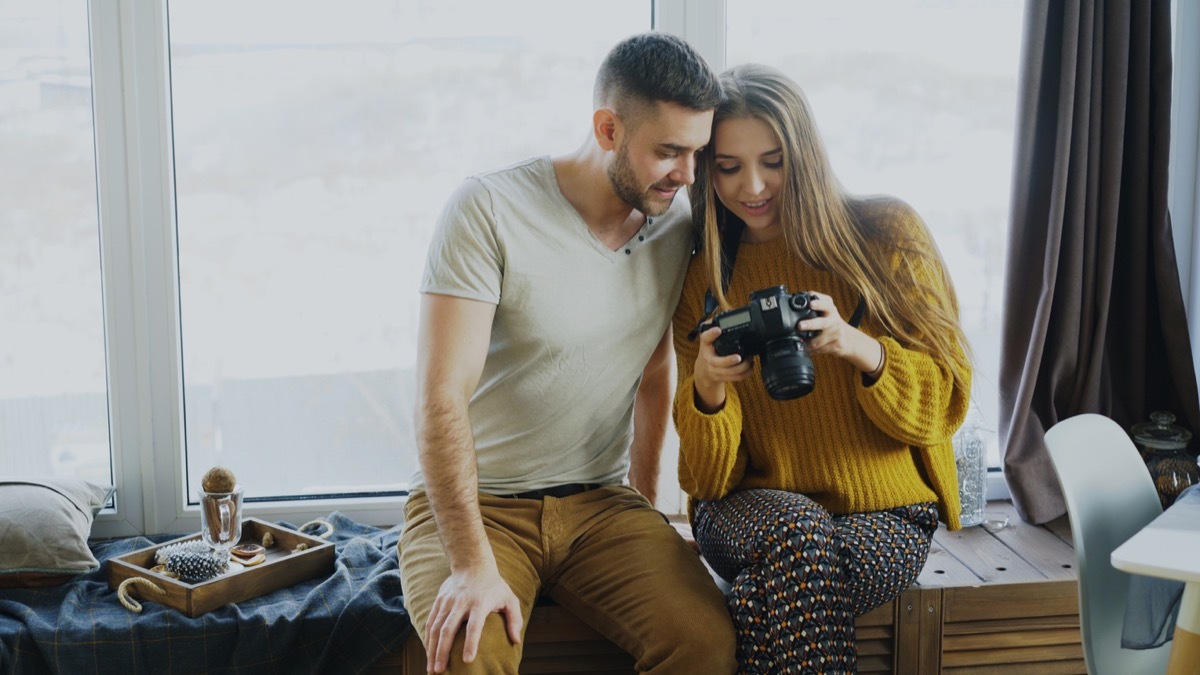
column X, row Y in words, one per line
column 766, row 327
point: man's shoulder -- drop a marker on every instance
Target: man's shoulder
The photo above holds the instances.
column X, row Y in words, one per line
column 532, row 169
column 491, row 189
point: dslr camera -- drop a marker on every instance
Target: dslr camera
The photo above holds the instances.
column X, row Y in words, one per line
column 767, row 327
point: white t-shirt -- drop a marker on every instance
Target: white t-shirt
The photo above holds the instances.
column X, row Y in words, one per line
column 574, row 326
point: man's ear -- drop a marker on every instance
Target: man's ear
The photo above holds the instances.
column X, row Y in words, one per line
column 604, row 127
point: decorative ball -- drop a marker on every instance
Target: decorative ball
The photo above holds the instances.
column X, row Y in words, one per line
column 218, row 479
column 196, row 567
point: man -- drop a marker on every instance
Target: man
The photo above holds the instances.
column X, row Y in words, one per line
column 544, row 365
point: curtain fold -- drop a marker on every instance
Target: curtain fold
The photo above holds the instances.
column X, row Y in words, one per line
column 1093, row 312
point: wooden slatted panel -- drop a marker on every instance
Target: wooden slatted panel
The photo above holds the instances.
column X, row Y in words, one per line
column 1010, row 601
column 1076, row 667
column 876, row 633
column 972, row 661
column 1012, row 628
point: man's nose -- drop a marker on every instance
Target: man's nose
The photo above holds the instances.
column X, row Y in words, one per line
column 685, row 170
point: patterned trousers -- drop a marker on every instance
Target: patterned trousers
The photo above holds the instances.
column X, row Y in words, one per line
column 800, row 576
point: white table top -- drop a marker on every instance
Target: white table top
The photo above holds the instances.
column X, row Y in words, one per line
column 1169, row 547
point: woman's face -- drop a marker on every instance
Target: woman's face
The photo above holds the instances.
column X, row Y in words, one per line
column 749, row 174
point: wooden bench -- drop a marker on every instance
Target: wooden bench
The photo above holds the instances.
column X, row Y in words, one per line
column 988, row 601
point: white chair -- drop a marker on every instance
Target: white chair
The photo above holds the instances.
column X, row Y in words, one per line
column 1109, row 496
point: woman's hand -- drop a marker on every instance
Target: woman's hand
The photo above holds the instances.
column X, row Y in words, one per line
column 840, row 339
column 713, row 371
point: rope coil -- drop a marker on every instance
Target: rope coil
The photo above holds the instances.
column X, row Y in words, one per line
column 328, row 532
column 127, row 600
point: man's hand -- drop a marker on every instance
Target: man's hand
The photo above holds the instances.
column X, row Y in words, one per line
column 468, row 597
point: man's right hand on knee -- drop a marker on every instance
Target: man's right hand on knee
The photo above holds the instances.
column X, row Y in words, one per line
column 468, row 597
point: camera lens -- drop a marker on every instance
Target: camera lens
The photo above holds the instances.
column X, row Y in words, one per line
column 787, row 369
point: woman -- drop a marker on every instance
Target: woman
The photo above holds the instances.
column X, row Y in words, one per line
column 818, row 508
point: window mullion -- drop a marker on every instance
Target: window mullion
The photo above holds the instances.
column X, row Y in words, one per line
column 700, row 22
column 138, row 258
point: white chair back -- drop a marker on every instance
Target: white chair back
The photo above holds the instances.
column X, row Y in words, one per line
column 1109, row 496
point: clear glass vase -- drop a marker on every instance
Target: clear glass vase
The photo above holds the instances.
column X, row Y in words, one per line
column 971, row 460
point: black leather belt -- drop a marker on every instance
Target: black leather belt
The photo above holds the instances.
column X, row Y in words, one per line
column 559, row 491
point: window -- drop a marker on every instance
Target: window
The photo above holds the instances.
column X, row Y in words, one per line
column 53, row 401
column 916, row 99
column 272, row 186
column 266, row 190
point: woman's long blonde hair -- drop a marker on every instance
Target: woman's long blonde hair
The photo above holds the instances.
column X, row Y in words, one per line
column 820, row 227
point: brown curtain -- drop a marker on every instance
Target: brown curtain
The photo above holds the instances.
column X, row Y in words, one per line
column 1093, row 313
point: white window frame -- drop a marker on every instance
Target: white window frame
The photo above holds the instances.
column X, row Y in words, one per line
column 1183, row 198
column 135, row 184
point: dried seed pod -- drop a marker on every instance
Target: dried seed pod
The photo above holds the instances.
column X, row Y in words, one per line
column 196, row 567
column 218, row 479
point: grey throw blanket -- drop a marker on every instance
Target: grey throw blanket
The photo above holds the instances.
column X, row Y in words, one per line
column 339, row 624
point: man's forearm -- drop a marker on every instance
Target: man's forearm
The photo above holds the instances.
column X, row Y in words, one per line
column 452, row 483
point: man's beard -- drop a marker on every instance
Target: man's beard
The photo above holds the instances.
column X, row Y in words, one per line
column 625, row 184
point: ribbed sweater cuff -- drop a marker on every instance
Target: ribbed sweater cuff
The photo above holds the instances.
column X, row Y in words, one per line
column 708, row 444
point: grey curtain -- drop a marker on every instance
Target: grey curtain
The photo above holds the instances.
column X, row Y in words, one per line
column 1094, row 316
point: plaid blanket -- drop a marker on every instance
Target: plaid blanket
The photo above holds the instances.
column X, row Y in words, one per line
column 339, row 624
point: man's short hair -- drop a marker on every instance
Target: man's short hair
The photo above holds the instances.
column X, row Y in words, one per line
column 651, row 67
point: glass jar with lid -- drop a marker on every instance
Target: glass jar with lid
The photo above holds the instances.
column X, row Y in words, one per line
column 1163, row 446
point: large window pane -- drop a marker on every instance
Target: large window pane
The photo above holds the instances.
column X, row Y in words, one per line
column 914, row 98
column 315, row 144
column 53, row 406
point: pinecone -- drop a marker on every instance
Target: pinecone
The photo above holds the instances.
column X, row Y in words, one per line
column 196, row 567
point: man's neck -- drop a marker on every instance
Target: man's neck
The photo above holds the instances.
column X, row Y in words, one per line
column 583, row 180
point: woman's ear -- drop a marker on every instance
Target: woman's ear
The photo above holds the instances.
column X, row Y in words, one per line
column 604, row 128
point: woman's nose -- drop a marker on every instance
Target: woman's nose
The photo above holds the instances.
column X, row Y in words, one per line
column 754, row 183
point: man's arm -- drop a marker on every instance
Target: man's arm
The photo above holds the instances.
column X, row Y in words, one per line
column 452, row 346
column 651, row 410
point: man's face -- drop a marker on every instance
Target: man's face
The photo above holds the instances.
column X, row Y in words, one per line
column 658, row 158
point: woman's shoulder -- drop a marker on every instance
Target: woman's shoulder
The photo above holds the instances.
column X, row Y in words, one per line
column 884, row 211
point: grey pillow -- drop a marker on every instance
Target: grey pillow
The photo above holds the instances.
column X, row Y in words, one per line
column 44, row 528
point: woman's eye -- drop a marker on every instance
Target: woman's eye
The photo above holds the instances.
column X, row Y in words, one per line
column 777, row 164
column 728, row 169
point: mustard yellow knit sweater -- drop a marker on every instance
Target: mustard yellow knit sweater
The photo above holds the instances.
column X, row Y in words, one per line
column 851, row 447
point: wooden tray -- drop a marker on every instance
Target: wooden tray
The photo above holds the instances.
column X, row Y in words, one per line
column 282, row 568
